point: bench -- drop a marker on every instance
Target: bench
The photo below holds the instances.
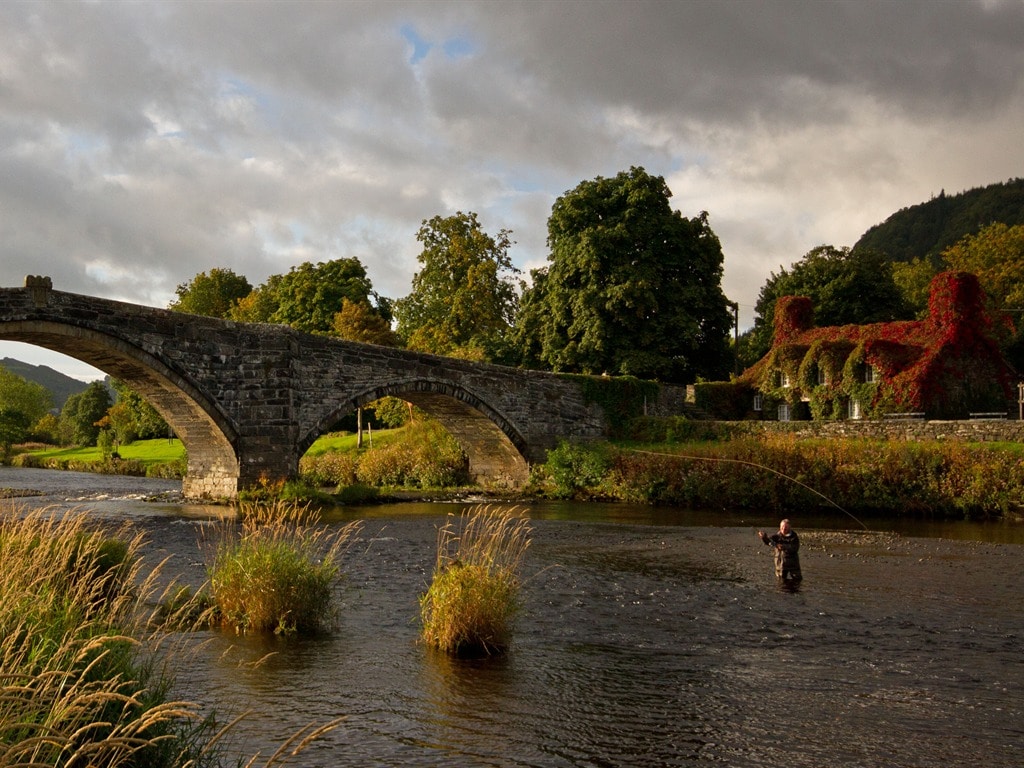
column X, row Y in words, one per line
column 904, row 416
column 989, row 416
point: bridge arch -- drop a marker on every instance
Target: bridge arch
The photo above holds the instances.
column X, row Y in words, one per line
column 496, row 450
column 206, row 432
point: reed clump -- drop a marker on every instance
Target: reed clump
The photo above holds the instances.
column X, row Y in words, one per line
column 275, row 570
column 78, row 684
column 473, row 597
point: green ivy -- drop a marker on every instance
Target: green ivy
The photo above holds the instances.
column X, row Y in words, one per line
column 621, row 397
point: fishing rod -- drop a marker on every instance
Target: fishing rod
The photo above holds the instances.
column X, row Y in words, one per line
column 756, row 465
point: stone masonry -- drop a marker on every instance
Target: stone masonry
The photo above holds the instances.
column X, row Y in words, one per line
column 248, row 400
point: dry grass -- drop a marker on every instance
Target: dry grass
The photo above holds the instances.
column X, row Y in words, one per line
column 275, row 572
column 474, row 594
column 79, row 642
column 75, row 685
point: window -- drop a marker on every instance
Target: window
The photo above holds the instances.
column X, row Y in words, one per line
column 783, row 411
column 758, row 401
column 853, row 409
column 784, row 379
column 869, row 373
column 822, row 376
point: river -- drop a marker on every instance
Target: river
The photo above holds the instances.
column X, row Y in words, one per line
column 649, row 637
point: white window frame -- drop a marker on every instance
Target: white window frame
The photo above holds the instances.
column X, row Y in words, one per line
column 853, row 410
column 758, row 401
column 869, row 373
column 785, row 414
column 822, row 376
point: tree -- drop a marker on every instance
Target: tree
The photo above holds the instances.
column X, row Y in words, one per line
column 82, row 412
column 632, row 287
column 24, row 396
column 14, row 426
column 213, row 294
column 844, row 287
column 358, row 321
column 310, row 295
column 464, row 298
column 132, row 418
column 22, row 404
column 259, row 306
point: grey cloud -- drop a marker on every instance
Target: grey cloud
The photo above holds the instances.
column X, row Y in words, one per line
column 142, row 143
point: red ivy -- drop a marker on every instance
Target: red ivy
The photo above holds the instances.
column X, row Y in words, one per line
column 923, row 364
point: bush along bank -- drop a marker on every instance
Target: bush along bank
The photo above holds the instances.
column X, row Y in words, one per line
column 937, row 479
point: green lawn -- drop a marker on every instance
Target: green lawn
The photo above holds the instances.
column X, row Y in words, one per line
column 148, row 452
column 161, row 450
column 343, row 442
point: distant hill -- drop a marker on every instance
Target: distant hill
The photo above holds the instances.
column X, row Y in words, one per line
column 927, row 229
column 59, row 385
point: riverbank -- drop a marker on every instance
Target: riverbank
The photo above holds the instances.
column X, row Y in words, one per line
column 789, row 473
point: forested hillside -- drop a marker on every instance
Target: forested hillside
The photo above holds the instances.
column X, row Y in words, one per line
column 925, row 230
column 59, row 385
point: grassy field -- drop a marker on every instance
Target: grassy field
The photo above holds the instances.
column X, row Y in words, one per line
column 148, row 452
column 345, row 442
column 161, row 451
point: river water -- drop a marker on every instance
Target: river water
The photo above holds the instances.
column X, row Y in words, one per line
column 649, row 637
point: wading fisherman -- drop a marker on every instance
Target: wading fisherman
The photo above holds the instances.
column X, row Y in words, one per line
column 787, row 546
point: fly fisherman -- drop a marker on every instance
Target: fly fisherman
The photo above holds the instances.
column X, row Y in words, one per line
column 787, row 545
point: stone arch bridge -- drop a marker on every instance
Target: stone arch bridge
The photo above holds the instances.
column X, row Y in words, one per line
column 247, row 400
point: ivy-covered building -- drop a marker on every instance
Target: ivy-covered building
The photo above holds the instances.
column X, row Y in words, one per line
column 946, row 366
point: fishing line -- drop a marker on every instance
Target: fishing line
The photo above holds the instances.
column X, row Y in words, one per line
column 752, row 464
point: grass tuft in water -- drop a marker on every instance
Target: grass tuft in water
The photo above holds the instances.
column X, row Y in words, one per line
column 275, row 571
column 473, row 597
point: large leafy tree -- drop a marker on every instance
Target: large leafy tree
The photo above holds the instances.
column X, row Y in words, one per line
column 80, row 416
column 132, row 418
column 632, row 286
column 358, row 321
column 22, row 404
column 213, row 294
column 844, row 287
column 310, row 295
column 464, row 297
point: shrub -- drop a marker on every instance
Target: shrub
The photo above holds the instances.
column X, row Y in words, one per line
column 276, row 571
column 333, row 468
column 575, row 467
column 427, row 456
column 474, row 593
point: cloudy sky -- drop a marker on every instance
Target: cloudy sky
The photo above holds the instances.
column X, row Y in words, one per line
column 144, row 142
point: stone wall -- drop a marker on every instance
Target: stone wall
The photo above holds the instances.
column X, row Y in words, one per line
column 974, row 430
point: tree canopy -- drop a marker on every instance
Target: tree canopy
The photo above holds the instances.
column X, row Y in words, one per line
column 464, row 297
column 81, row 412
column 844, row 287
column 214, row 294
column 358, row 321
column 309, row 295
column 632, row 287
column 22, row 404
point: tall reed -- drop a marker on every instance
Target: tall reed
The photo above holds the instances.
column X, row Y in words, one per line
column 275, row 571
column 76, row 684
column 473, row 596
